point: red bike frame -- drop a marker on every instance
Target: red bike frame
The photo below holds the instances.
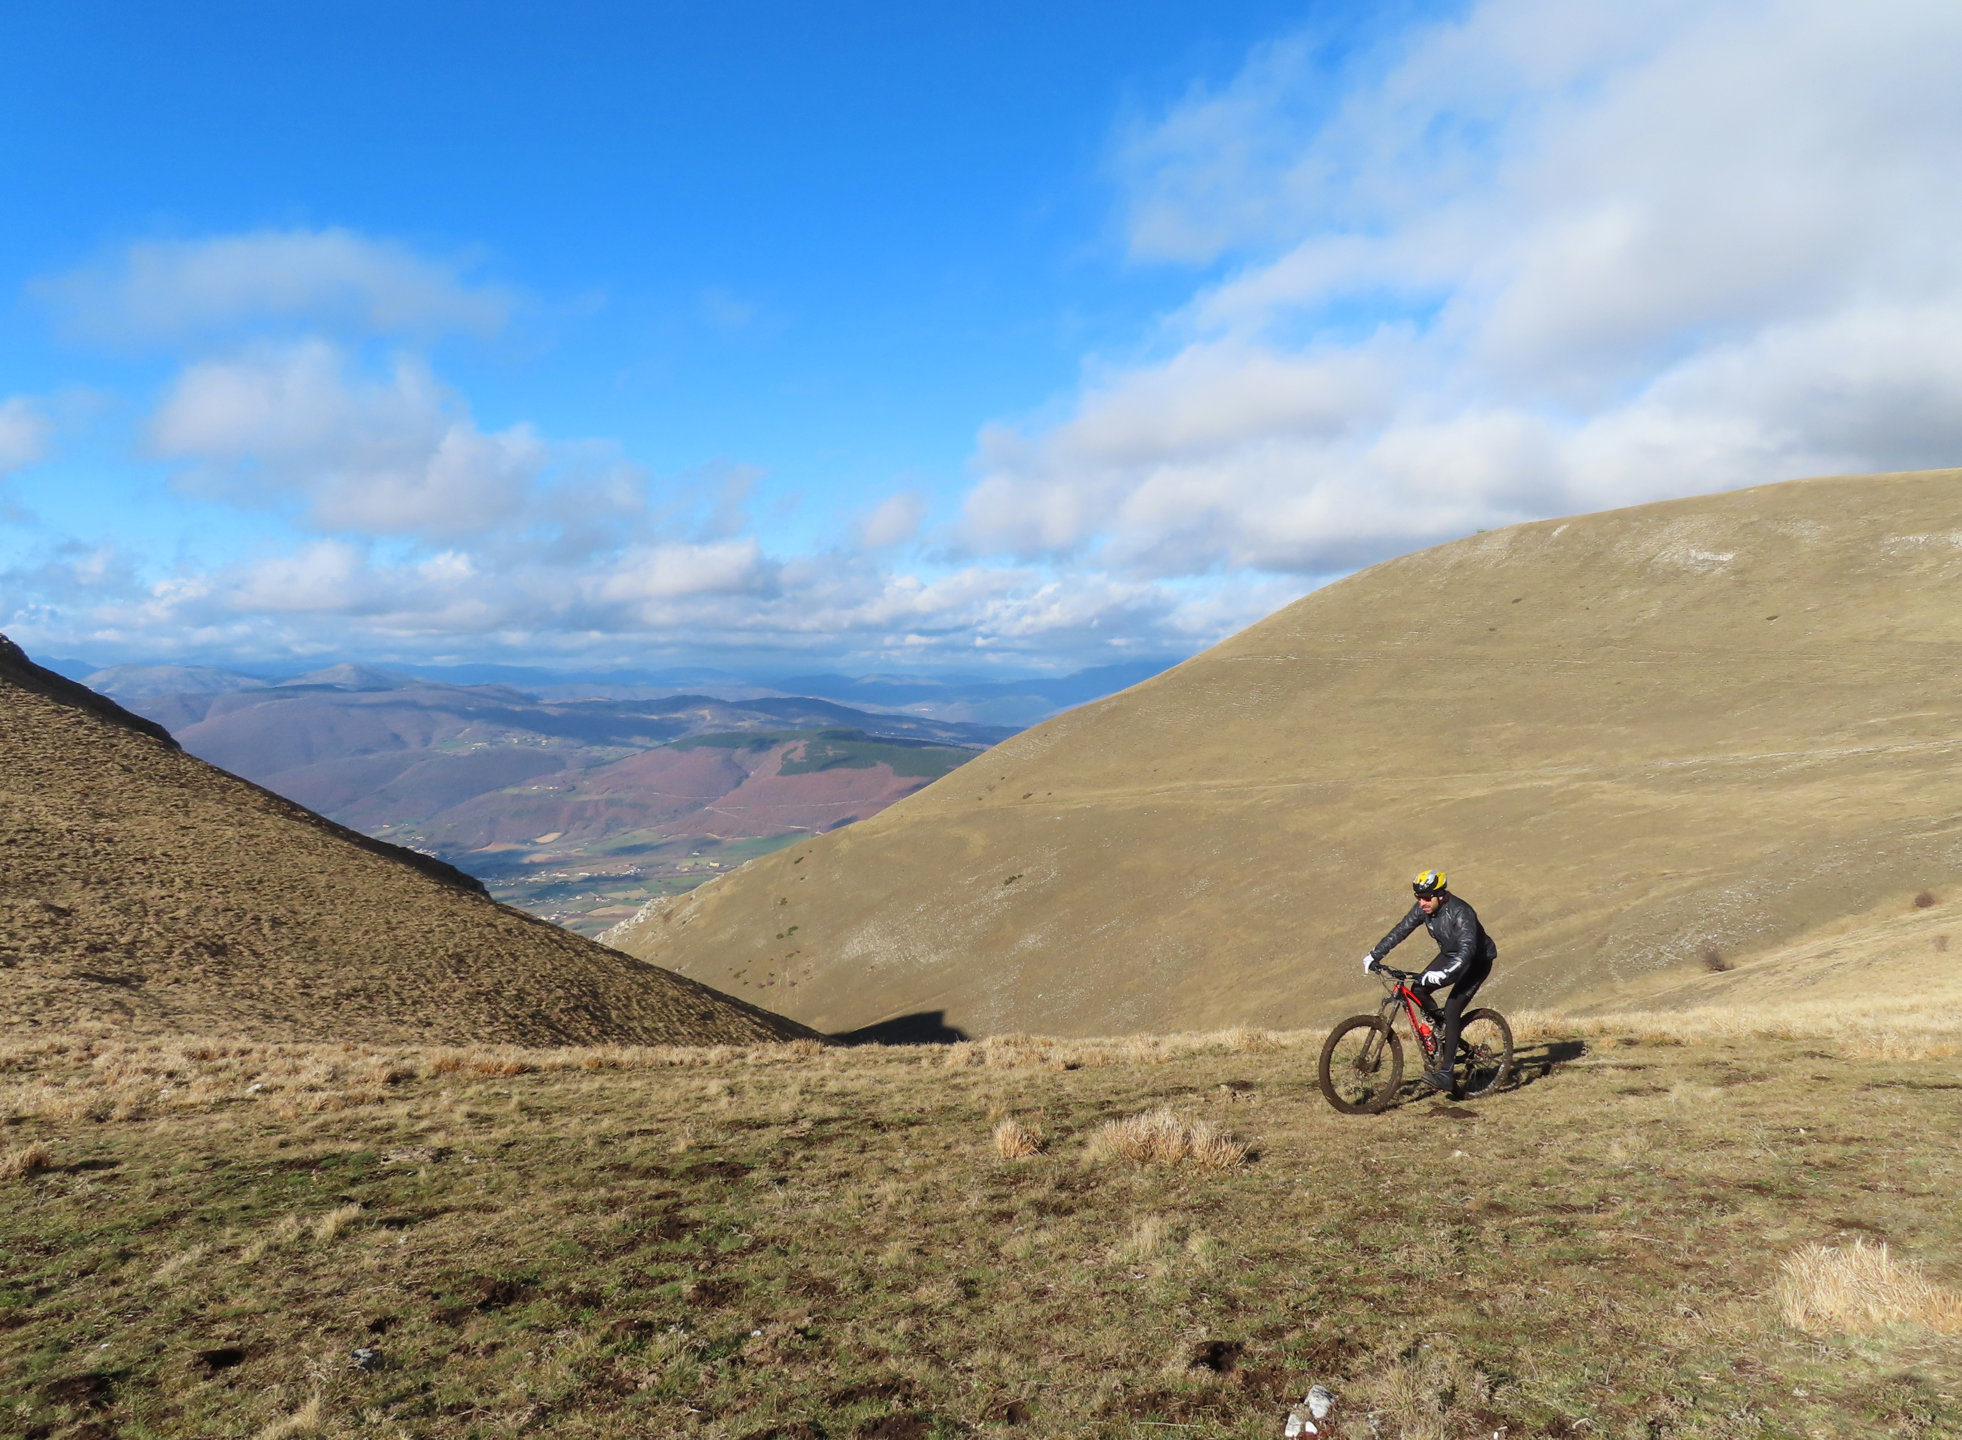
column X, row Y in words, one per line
column 1413, row 1005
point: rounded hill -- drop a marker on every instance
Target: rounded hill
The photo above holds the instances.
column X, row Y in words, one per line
column 1664, row 737
column 143, row 889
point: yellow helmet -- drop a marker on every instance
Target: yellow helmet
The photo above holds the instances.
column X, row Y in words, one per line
column 1427, row 883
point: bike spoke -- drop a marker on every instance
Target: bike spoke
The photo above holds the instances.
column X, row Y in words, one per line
column 1361, row 1065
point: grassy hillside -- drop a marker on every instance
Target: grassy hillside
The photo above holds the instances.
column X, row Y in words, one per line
column 841, row 749
column 1660, row 1234
column 1634, row 740
column 142, row 889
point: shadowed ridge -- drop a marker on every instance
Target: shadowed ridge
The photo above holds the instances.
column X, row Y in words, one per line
column 17, row 669
column 1632, row 738
column 145, row 891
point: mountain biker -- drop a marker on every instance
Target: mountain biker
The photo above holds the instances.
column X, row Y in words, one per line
column 1464, row 960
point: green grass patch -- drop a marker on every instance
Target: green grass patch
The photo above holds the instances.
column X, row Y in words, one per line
column 841, row 749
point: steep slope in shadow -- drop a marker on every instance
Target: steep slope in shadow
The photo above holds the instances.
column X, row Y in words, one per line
column 144, row 889
column 1629, row 737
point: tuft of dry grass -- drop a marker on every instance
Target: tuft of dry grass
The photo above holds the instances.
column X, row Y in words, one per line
column 1016, row 1141
column 1162, row 1137
column 333, row 1222
column 307, row 1420
column 28, row 1160
column 1148, row 1236
column 1433, row 1393
column 283, row 1232
column 1826, row 1289
column 182, row 1262
column 1628, row 1149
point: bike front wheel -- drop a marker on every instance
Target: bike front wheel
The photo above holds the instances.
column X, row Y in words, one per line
column 1484, row 1053
column 1362, row 1065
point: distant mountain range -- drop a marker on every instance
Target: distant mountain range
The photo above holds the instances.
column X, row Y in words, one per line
column 577, row 799
column 979, row 699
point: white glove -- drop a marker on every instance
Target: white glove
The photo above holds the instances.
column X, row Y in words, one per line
column 1370, row 962
column 1432, row 979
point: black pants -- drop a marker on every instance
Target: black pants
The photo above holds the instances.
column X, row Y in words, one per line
column 1454, row 1014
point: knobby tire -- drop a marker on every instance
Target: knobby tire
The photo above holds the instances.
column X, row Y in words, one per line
column 1484, row 1053
column 1361, row 1067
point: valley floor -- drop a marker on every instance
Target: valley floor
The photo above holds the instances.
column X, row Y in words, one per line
column 218, row 1239
column 589, row 889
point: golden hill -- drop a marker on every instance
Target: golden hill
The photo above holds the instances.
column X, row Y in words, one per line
column 143, row 889
column 1643, row 741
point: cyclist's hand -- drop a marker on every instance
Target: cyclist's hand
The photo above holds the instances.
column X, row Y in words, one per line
column 1370, row 962
column 1432, row 979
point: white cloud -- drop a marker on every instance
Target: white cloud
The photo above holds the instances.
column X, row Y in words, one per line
column 893, row 521
column 162, row 291
column 396, row 456
column 25, row 431
column 658, row 573
column 1544, row 257
column 721, row 598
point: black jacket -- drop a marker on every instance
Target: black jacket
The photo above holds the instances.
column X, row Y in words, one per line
column 1462, row 944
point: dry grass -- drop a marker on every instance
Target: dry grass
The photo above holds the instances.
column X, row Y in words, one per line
column 333, row 1222
column 1162, row 1137
column 1428, row 1393
column 178, row 1264
column 1016, row 1141
column 304, row 1421
column 113, row 1078
column 1042, row 1052
column 1923, row 1026
column 1826, row 1289
column 145, row 889
column 1148, row 1236
column 714, row 1246
column 283, row 1232
column 28, row 1160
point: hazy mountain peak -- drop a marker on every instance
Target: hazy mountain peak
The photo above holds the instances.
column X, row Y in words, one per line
column 140, row 682
column 357, row 677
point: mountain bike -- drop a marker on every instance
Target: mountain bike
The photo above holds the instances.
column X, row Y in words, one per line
column 1362, row 1060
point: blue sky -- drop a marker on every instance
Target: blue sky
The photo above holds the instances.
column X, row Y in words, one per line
column 908, row 337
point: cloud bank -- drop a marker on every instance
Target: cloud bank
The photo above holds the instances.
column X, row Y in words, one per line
column 25, row 431
column 302, row 388
column 1533, row 259
column 1539, row 259
column 171, row 291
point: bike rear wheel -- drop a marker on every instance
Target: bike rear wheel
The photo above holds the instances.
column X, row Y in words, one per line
column 1362, row 1065
column 1484, row 1053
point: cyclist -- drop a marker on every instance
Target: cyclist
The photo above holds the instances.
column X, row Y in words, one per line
column 1464, row 960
